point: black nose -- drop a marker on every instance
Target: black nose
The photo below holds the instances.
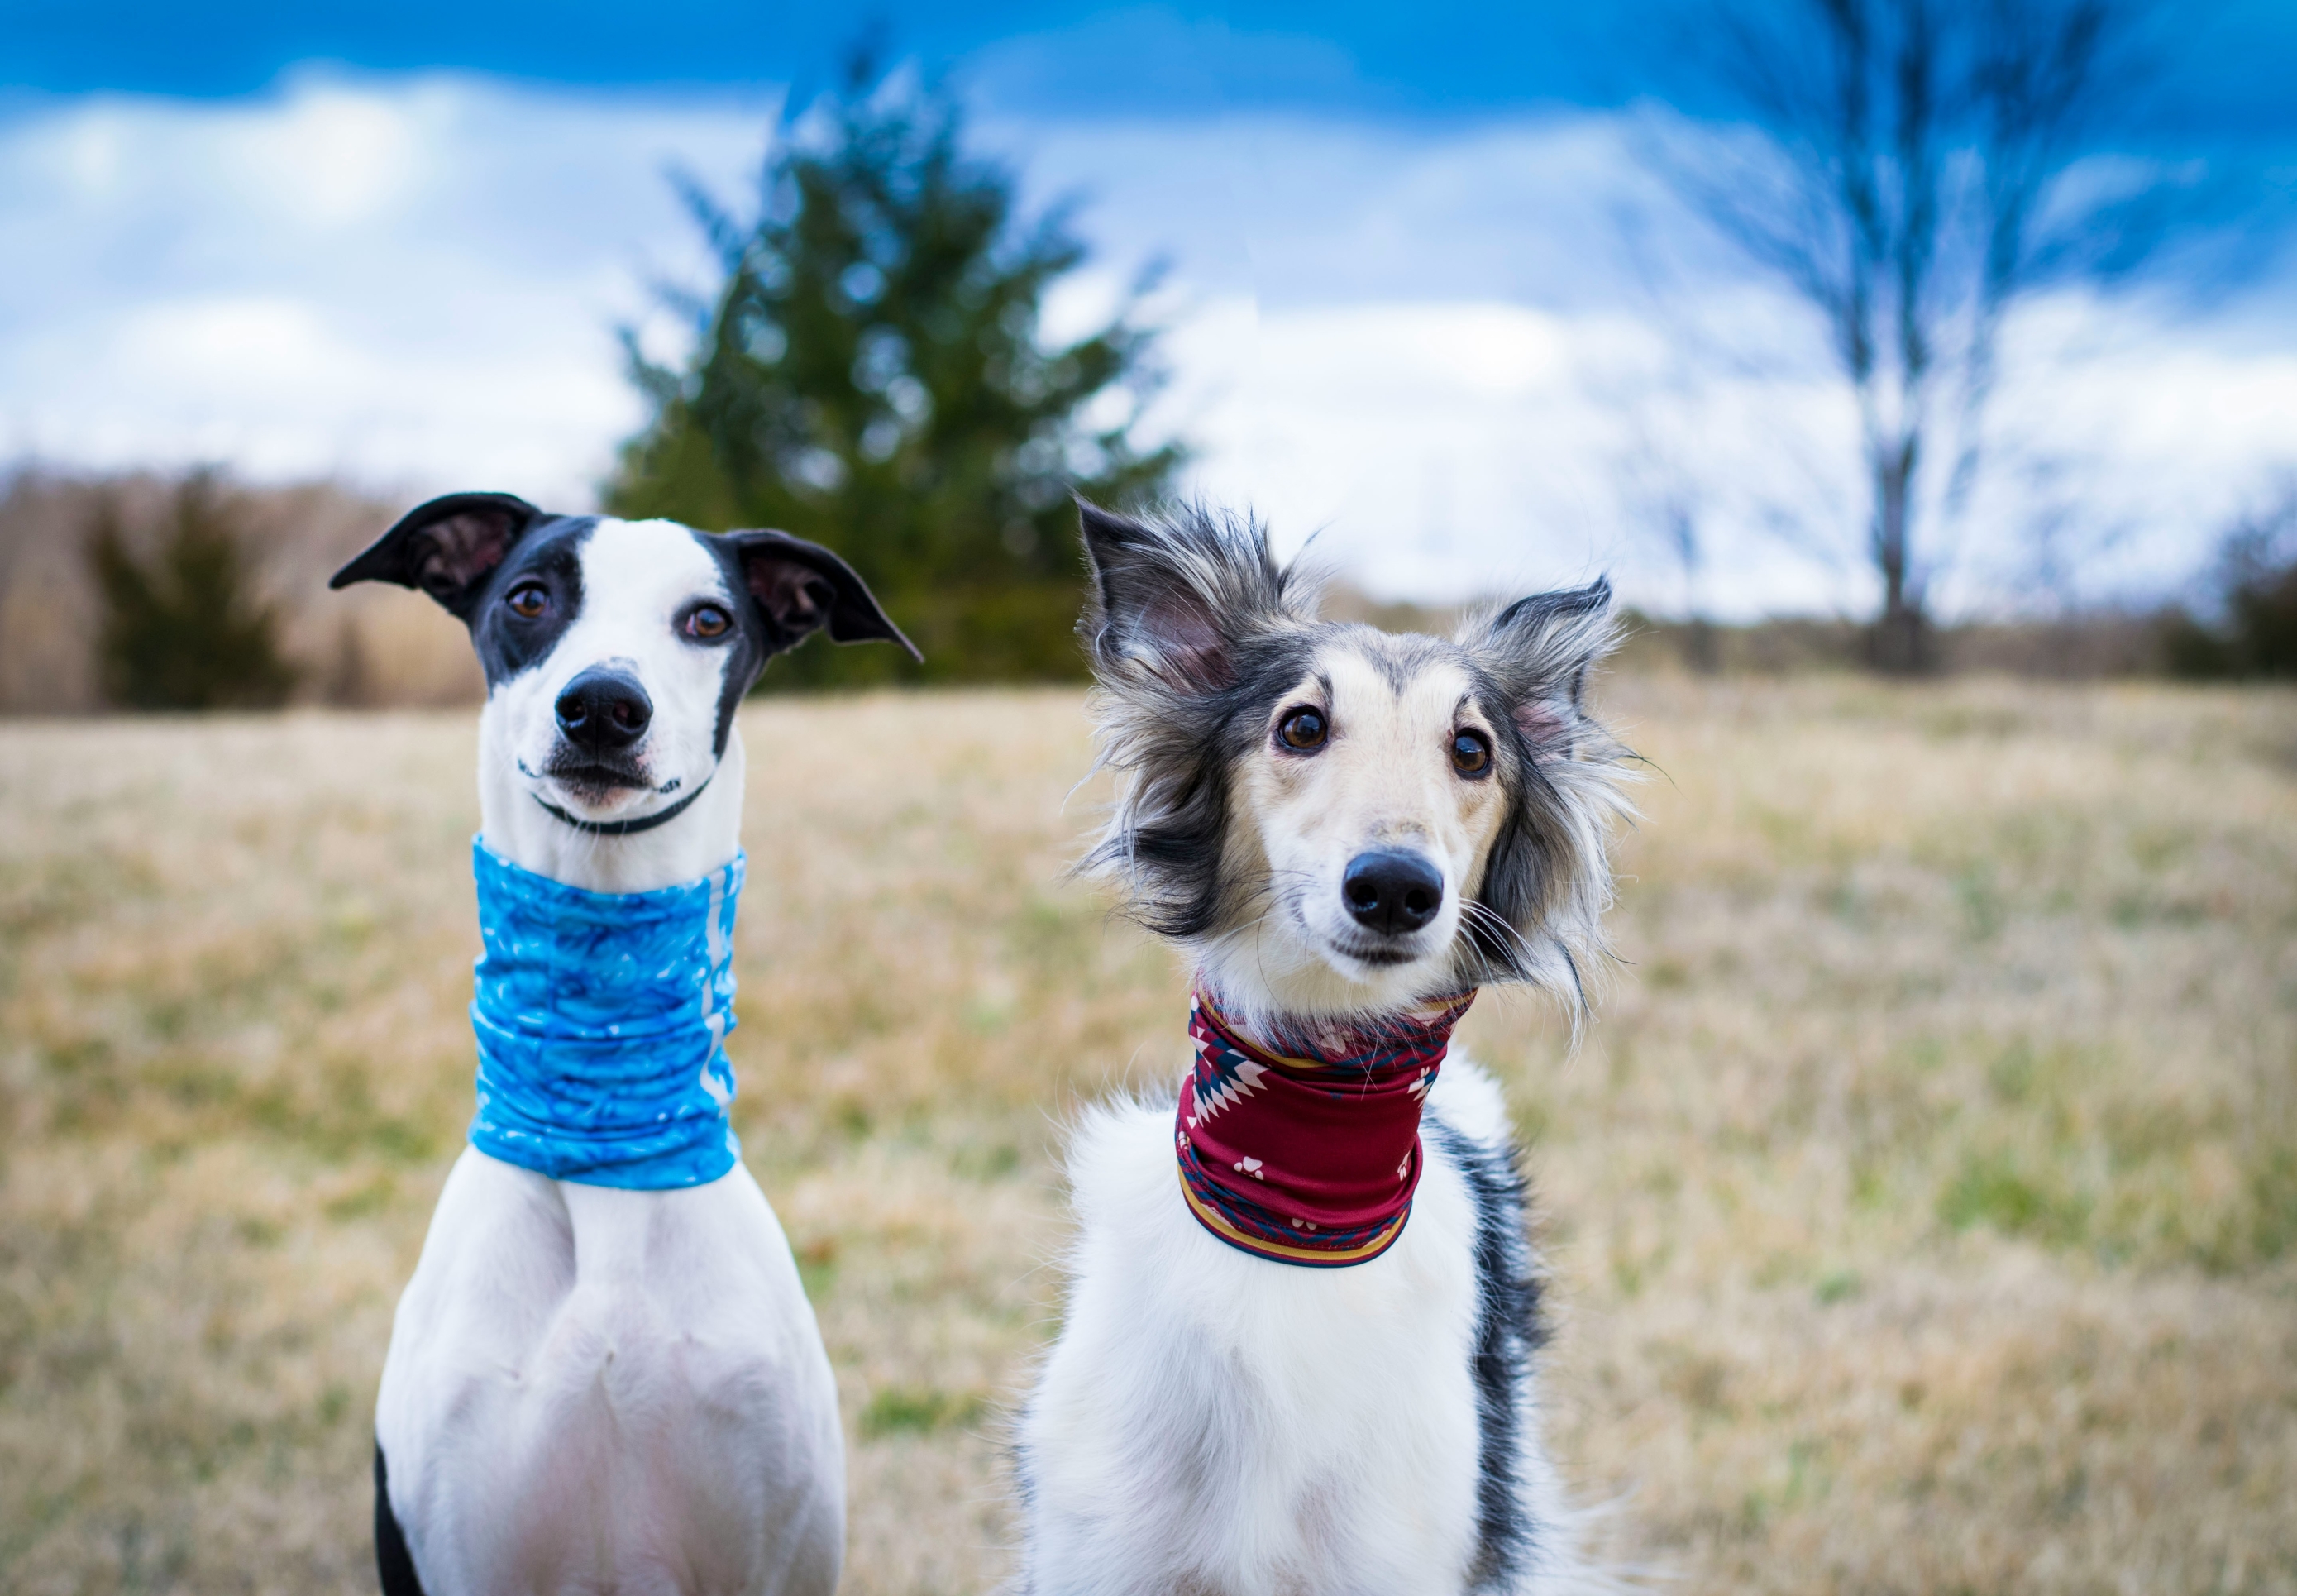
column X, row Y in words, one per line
column 604, row 711
column 1391, row 891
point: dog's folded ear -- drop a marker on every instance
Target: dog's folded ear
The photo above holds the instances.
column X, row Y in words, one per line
column 447, row 547
column 801, row 587
column 1174, row 597
column 1541, row 649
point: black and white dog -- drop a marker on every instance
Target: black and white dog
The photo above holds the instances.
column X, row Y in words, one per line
column 1297, row 1351
column 612, row 1380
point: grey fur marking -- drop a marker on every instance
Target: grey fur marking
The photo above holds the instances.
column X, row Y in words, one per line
column 1508, row 1330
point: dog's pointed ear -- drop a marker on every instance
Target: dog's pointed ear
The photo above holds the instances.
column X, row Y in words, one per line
column 1175, row 597
column 801, row 587
column 1541, row 649
column 447, row 547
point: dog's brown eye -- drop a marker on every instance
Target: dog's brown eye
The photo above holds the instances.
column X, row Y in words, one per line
column 1471, row 752
column 528, row 600
column 1302, row 728
column 708, row 621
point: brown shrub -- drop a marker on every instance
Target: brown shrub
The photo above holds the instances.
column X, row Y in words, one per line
column 369, row 647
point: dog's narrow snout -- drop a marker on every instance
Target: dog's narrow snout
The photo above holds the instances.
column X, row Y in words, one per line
column 1392, row 891
column 603, row 710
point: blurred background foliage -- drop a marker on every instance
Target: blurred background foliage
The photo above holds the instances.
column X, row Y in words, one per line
column 870, row 374
column 183, row 625
column 196, row 590
column 149, row 591
column 2253, row 631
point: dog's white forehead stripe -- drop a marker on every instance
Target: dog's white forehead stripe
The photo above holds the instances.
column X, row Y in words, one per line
column 632, row 569
column 636, row 576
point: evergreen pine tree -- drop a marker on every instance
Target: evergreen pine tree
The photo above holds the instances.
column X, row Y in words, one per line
column 869, row 376
column 183, row 626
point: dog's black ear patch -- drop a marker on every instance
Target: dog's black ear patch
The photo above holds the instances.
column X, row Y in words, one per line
column 447, row 547
column 1174, row 597
column 801, row 588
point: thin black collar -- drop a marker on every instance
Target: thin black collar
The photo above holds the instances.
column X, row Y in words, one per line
column 622, row 828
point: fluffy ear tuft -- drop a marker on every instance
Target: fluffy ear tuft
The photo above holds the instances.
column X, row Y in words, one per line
column 1541, row 649
column 801, row 588
column 1548, row 879
column 447, row 547
column 1173, row 596
column 1188, row 614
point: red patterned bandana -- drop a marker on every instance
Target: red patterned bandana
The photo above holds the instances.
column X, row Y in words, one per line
column 1310, row 1157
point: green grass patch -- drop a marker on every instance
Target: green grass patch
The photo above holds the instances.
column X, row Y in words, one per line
column 918, row 1410
column 1837, row 1285
column 1991, row 1189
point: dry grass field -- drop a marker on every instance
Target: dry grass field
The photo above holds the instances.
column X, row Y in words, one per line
column 1923, row 1205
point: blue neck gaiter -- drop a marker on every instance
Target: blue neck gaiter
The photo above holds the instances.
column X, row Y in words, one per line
column 601, row 1021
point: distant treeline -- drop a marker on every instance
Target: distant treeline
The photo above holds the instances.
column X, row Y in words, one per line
column 2087, row 646
column 144, row 590
column 148, row 591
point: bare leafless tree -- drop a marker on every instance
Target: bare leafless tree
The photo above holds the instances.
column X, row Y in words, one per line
column 1914, row 169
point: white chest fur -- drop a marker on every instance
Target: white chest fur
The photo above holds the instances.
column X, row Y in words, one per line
column 600, row 1390
column 1220, row 1424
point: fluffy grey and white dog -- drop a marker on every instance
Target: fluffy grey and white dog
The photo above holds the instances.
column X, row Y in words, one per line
column 1337, row 826
column 590, row 1388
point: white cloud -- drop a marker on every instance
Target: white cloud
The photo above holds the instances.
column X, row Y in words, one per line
column 1442, row 450
column 414, row 284
column 1433, row 342
column 1424, row 340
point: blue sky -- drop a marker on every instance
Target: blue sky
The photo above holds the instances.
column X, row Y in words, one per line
column 393, row 243
column 1443, row 57
column 1447, row 58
